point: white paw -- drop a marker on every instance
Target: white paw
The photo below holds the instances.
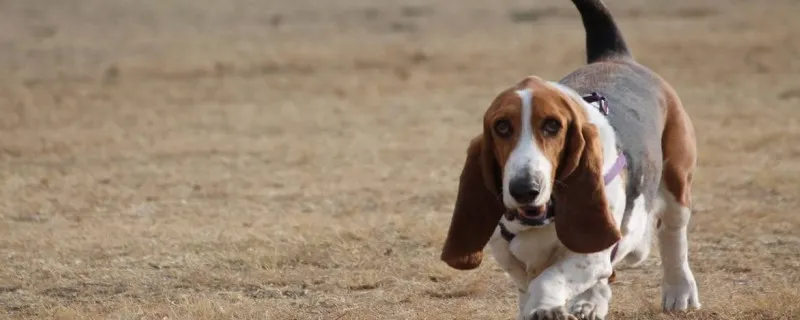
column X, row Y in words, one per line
column 680, row 297
column 585, row 310
column 557, row 313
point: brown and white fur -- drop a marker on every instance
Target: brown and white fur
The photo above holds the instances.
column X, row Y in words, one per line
column 542, row 142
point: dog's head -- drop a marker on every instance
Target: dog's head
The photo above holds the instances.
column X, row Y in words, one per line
column 536, row 145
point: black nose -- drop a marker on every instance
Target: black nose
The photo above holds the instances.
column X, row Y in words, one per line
column 523, row 189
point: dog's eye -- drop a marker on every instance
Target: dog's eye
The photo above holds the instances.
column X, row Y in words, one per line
column 503, row 128
column 550, row 127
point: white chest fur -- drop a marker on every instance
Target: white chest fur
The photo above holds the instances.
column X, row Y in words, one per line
column 538, row 247
column 530, row 252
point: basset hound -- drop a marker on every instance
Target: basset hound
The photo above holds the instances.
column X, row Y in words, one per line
column 569, row 178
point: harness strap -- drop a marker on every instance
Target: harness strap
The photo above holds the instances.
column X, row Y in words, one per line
column 508, row 235
column 615, row 169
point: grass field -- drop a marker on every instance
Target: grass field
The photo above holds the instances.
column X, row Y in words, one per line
column 198, row 159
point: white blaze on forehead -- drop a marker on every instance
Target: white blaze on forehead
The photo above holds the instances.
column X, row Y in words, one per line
column 527, row 158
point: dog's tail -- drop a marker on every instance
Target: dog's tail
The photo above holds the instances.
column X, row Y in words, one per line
column 603, row 39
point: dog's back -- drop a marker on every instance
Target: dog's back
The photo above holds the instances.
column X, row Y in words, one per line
column 634, row 93
column 656, row 135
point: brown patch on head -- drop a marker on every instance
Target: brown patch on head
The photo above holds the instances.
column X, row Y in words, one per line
column 550, row 113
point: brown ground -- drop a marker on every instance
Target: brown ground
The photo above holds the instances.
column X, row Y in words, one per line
column 197, row 159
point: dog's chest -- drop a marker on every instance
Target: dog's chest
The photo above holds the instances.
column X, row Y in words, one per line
column 536, row 248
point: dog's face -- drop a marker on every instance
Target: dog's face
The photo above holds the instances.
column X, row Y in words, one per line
column 536, row 146
column 529, row 126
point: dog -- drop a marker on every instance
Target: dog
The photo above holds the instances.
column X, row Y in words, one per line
column 570, row 178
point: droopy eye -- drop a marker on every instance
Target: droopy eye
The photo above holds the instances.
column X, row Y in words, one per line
column 503, row 128
column 550, row 127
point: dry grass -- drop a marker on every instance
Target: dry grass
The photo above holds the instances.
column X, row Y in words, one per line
column 298, row 159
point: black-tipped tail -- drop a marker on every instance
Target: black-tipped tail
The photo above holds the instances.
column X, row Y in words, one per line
column 603, row 38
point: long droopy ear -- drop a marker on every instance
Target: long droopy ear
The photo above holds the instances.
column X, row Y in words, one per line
column 478, row 207
column 584, row 223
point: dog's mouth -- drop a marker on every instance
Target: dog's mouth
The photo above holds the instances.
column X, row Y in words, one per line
column 532, row 215
column 531, row 212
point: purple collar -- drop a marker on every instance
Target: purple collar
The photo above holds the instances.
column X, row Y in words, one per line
column 602, row 105
column 616, row 169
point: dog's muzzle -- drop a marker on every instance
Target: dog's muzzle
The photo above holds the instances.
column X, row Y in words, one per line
column 532, row 216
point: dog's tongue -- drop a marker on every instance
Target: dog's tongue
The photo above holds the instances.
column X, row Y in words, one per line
column 532, row 212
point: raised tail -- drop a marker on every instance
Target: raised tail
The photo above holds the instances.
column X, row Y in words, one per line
column 603, row 39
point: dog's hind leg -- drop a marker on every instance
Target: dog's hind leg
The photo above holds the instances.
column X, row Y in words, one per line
column 679, row 288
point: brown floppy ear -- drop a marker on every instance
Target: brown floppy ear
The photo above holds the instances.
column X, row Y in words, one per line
column 584, row 223
column 477, row 210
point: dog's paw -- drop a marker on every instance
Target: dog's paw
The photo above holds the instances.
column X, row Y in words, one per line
column 682, row 297
column 679, row 292
column 557, row 313
column 585, row 310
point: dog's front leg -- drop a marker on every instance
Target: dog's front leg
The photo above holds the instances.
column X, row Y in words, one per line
column 514, row 268
column 561, row 282
column 593, row 303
